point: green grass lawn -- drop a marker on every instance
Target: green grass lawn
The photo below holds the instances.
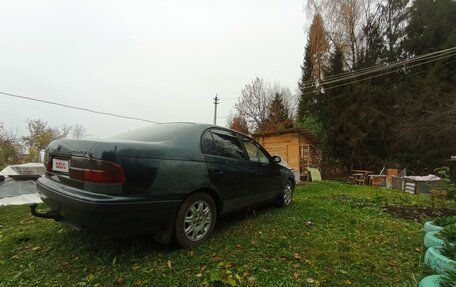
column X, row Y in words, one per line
column 332, row 235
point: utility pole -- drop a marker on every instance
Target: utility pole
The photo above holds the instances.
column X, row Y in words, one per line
column 216, row 102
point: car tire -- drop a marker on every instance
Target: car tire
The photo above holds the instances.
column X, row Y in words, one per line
column 286, row 196
column 195, row 220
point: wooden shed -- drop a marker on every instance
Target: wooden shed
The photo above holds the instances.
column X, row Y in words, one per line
column 297, row 146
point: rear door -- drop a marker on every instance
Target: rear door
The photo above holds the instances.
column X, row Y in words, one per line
column 228, row 168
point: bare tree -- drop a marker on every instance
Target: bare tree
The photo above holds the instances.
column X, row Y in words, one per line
column 9, row 147
column 343, row 21
column 78, row 131
column 253, row 103
column 40, row 135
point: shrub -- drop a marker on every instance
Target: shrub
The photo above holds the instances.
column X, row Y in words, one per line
column 449, row 279
column 444, row 221
column 448, row 233
column 449, row 250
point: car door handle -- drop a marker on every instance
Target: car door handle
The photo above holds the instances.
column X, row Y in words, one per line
column 218, row 171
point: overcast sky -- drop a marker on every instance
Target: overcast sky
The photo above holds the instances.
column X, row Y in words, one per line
column 158, row 60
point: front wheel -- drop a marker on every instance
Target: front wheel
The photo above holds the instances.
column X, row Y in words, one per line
column 286, row 196
column 195, row 220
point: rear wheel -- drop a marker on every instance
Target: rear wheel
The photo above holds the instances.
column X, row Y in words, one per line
column 195, row 220
column 286, row 196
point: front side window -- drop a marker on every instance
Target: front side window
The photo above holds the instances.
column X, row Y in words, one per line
column 254, row 152
column 227, row 144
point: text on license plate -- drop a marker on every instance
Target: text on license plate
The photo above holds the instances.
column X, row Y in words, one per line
column 60, row 165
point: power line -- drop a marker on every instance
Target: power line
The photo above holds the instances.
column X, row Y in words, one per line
column 77, row 108
column 382, row 74
column 401, row 65
column 342, row 76
column 378, row 68
column 351, row 93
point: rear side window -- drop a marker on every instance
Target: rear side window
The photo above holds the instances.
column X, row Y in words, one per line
column 207, row 144
column 227, row 145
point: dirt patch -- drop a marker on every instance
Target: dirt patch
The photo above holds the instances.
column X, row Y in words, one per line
column 409, row 212
column 417, row 213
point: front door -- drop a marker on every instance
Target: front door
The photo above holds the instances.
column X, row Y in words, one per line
column 267, row 183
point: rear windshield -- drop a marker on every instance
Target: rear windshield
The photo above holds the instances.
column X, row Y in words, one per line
column 155, row 133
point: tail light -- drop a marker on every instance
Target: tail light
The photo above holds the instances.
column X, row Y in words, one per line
column 48, row 165
column 47, row 161
column 96, row 171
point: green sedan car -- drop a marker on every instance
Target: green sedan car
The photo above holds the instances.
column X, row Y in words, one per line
column 172, row 179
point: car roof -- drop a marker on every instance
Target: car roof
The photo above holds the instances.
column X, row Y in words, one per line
column 164, row 132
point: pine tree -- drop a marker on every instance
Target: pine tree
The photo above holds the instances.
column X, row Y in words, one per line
column 278, row 115
column 426, row 108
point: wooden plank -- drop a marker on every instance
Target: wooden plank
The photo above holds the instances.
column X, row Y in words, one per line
column 314, row 174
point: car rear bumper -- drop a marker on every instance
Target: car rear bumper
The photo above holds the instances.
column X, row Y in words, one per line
column 109, row 214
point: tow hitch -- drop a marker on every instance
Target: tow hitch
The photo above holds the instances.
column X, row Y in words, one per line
column 51, row 214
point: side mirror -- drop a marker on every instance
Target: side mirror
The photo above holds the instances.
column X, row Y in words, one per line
column 276, row 159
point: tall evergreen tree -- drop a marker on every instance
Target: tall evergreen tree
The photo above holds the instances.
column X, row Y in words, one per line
column 305, row 85
column 427, row 107
column 312, row 70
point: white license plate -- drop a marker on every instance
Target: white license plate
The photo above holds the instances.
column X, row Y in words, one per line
column 60, row 165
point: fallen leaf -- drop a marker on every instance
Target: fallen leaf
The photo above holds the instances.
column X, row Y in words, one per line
column 216, row 259
column 199, row 275
column 36, row 248
column 90, row 277
column 283, row 258
column 297, row 256
column 310, row 280
column 138, row 282
column 169, row 264
column 202, row 269
column 347, row 282
column 295, row 275
column 251, row 281
column 392, row 263
column 120, row 280
column 295, row 266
